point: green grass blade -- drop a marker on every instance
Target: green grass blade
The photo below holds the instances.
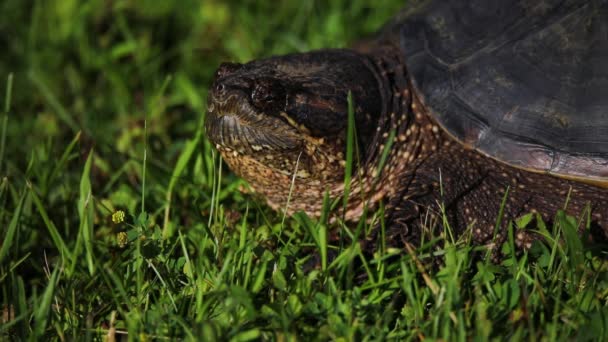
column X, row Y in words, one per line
column 53, row 101
column 497, row 225
column 12, row 228
column 43, row 307
column 573, row 241
column 50, row 226
column 62, row 162
column 180, row 166
column 7, row 107
column 86, row 212
column 156, row 108
column 164, row 284
column 243, row 230
column 290, row 193
column 9, row 93
column 350, row 149
column 143, row 168
column 385, row 152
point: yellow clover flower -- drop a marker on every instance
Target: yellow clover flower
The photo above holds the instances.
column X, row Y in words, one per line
column 122, row 239
column 118, row 216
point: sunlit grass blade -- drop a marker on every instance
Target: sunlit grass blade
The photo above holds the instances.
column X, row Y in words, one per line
column 189, row 150
column 498, row 224
column 574, row 246
column 350, row 149
column 385, row 152
column 216, row 187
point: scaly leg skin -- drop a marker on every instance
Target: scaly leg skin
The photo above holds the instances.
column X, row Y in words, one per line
column 471, row 188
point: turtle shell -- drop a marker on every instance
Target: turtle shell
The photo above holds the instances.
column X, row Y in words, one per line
column 523, row 82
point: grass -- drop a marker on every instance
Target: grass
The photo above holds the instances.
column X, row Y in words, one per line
column 102, row 114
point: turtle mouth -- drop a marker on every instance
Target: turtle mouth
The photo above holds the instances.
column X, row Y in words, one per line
column 233, row 123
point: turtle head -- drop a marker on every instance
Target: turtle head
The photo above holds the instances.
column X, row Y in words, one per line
column 291, row 112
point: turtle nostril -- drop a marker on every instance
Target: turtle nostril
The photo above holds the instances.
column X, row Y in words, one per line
column 220, row 87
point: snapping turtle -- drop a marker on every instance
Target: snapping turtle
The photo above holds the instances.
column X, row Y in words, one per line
column 457, row 104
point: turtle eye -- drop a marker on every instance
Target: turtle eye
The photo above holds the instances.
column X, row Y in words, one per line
column 226, row 69
column 267, row 94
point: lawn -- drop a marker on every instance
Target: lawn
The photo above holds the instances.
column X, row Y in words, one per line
column 118, row 220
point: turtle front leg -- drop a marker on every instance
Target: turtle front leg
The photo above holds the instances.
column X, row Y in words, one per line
column 469, row 188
